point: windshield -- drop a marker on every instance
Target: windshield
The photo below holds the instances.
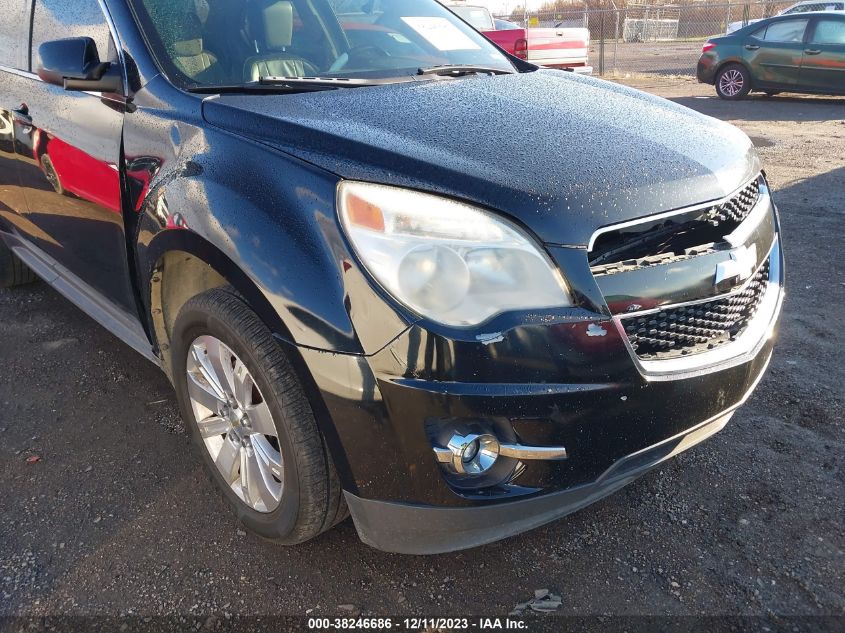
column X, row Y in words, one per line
column 207, row 43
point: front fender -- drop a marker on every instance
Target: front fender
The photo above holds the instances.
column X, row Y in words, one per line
column 262, row 219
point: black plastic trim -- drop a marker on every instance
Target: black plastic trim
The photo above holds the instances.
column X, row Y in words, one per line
column 416, row 529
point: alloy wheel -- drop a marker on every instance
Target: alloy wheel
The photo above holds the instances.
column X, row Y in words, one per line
column 235, row 423
column 731, row 82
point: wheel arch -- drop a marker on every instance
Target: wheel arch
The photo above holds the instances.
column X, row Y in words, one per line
column 738, row 61
column 182, row 264
column 197, row 265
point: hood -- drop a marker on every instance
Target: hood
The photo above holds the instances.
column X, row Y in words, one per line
column 562, row 154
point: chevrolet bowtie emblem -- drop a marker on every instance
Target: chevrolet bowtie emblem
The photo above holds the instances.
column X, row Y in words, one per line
column 737, row 269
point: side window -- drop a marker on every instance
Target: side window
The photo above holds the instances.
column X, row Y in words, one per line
column 58, row 19
column 786, row 31
column 830, row 32
column 760, row 34
column 13, row 32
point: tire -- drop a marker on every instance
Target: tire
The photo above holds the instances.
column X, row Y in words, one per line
column 52, row 175
column 13, row 272
column 310, row 499
column 733, row 82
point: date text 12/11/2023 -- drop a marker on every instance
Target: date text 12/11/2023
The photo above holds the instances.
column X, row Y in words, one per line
column 417, row 624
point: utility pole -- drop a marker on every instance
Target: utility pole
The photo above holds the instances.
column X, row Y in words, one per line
column 601, row 38
column 615, row 33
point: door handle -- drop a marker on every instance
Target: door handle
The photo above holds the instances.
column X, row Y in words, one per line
column 751, row 47
column 812, row 51
column 22, row 113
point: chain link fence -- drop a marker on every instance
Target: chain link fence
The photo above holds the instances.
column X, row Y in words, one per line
column 661, row 40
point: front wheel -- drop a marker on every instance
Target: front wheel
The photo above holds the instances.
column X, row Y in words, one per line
column 251, row 421
column 733, row 82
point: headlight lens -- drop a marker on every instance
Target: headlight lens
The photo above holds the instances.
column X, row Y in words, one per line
column 446, row 260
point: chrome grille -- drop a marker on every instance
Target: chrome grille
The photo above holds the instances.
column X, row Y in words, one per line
column 737, row 208
column 696, row 328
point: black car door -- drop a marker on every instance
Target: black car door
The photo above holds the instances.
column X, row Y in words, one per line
column 14, row 62
column 70, row 163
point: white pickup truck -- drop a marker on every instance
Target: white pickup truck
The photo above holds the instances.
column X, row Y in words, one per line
column 566, row 48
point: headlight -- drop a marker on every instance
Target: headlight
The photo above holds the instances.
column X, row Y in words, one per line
column 446, row 260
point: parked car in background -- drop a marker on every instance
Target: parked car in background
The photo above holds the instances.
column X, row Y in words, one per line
column 373, row 295
column 567, row 48
column 804, row 53
column 807, row 6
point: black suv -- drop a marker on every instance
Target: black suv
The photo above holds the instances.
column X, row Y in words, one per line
column 389, row 269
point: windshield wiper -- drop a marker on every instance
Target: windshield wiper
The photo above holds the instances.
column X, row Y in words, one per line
column 459, row 70
column 287, row 84
column 254, row 86
column 269, row 85
column 324, row 82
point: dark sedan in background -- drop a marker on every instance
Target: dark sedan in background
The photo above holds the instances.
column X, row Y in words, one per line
column 794, row 53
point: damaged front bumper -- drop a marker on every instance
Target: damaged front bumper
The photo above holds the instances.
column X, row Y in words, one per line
column 414, row 529
column 400, row 498
column 570, row 384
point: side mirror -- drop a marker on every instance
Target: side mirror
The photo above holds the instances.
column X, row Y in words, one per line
column 74, row 64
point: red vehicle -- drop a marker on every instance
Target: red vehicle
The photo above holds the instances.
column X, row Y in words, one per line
column 555, row 47
column 69, row 169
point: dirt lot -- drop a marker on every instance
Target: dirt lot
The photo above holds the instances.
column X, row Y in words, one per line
column 116, row 518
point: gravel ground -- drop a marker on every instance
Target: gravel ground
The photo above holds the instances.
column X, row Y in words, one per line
column 656, row 58
column 115, row 518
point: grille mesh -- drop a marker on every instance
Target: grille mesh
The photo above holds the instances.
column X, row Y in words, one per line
column 737, row 208
column 692, row 329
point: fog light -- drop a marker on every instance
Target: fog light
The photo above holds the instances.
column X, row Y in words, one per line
column 470, row 452
column 473, row 454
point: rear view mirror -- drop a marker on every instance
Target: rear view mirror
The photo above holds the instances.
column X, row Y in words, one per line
column 74, row 64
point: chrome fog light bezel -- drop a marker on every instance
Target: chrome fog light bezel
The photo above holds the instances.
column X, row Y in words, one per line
column 485, row 453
